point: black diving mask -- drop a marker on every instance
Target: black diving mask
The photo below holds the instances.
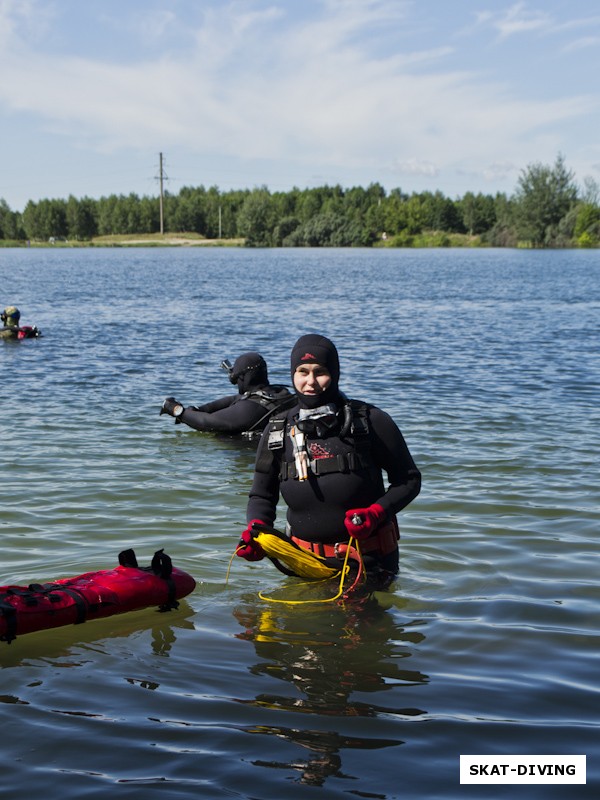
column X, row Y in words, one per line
column 320, row 424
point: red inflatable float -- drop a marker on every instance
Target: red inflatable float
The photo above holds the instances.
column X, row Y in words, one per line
column 128, row 587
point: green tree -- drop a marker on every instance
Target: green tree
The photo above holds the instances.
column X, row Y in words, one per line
column 394, row 212
column 284, row 230
column 309, row 204
column 591, row 191
column 45, row 220
column 374, row 221
column 130, row 209
column 232, row 203
column 109, row 220
column 284, row 203
column 255, row 219
column 10, row 227
column 149, row 213
column 439, row 213
column 327, row 230
column 415, row 215
column 586, row 230
column 188, row 213
column 213, row 204
column 503, row 233
column 478, row 212
column 544, row 196
column 81, row 218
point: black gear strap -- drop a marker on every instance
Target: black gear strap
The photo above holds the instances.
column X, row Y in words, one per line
column 356, row 429
column 163, row 567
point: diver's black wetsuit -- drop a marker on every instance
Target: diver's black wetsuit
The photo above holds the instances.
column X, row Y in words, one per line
column 235, row 414
column 245, row 412
column 326, row 456
column 316, row 506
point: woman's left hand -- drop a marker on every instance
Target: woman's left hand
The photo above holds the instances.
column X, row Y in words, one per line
column 370, row 519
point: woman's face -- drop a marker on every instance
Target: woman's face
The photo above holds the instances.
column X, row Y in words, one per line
column 311, row 379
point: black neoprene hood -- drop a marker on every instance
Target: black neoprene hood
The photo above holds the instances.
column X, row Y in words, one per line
column 249, row 372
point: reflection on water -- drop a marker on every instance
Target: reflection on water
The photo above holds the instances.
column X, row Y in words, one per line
column 331, row 659
column 488, row 360
column 59, row 645
column 323, row 759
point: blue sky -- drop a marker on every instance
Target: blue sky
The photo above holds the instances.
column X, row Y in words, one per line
column 449, row 95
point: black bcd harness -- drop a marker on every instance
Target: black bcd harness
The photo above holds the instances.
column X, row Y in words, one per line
column 274, row 401
column 355, row 428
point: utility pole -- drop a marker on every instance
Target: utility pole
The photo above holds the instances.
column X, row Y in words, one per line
column 161, row 177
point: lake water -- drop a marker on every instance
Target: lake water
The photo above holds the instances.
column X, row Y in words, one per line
column 487, row 643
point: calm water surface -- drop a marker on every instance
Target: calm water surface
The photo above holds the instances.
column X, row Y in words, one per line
column 487, row 643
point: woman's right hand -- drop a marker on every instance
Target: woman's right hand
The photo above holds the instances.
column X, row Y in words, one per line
column 248, row 547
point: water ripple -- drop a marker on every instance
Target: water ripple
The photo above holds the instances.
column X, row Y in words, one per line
column 488, row 641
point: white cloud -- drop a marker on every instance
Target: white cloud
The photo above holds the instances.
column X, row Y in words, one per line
column 518, row 19
column 255, row 81
column 499, row 170
column 154, row 24
column 23, row 18
column 321, row 98
column 413, row 166
column 583, row 43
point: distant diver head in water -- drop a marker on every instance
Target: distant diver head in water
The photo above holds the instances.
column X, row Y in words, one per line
column 249, row 372
column 10, row 317
column 315, row 368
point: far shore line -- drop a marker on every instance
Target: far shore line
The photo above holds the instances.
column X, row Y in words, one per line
column 135, row 240
column 431, row 239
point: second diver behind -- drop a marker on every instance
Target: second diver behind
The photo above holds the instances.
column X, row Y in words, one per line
column 244, row 413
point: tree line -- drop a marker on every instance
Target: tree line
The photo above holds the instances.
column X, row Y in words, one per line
column 548, row 209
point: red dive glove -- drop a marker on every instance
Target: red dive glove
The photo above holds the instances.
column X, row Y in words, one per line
column 248, row 547
column 370, row 519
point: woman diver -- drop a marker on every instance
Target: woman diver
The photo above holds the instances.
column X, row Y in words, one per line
column 326, row 456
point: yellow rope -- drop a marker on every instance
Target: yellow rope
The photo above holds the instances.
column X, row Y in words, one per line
column 233, row 555
column 342, row 573
column 304, row 563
